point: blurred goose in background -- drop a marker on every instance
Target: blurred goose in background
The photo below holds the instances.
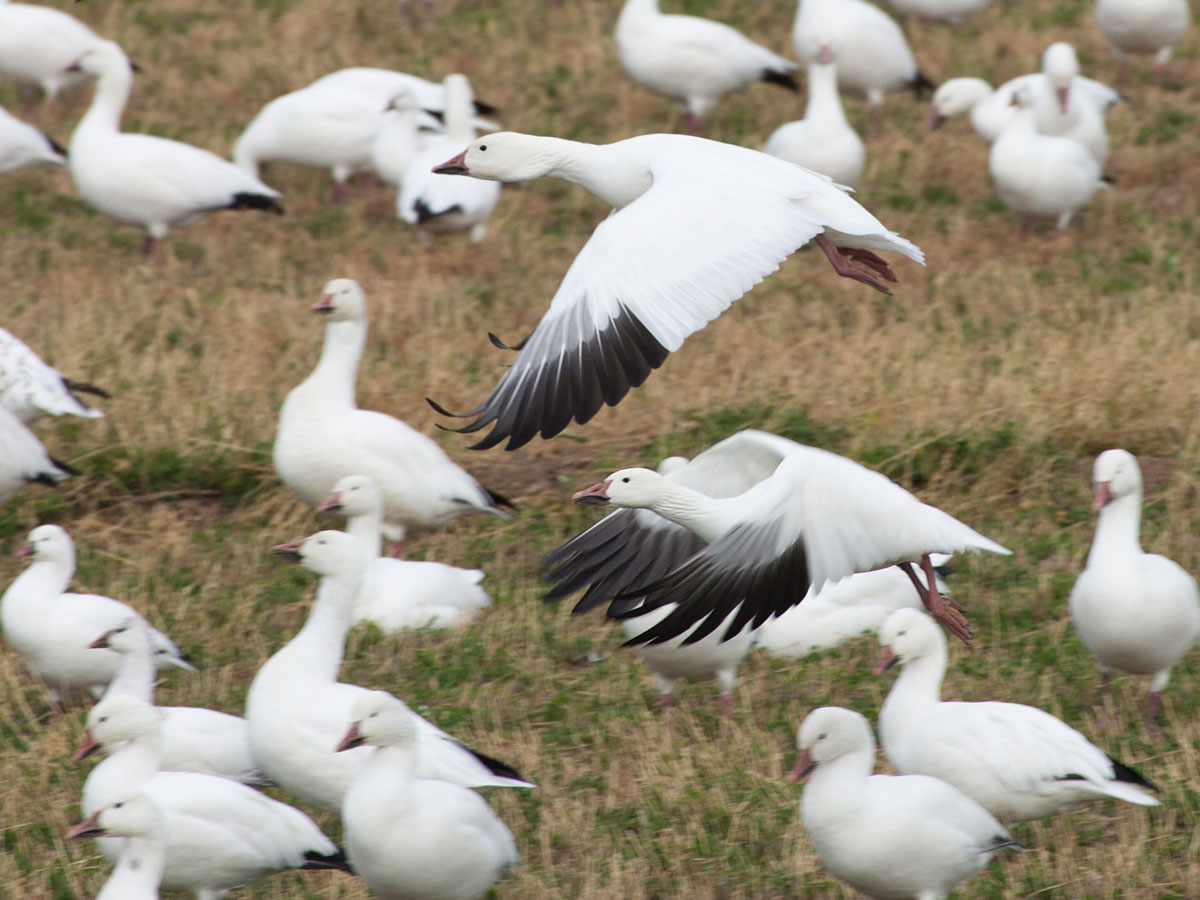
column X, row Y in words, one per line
column 53, row 630
column 145, row 180
column 138, row 822
column 324, row 437
column 30, row 389
column 411, row 838
column 667, row 261
column 823, row 140
column 23, row 145
column 23, row 459
column 298, row 710
column 691, row 60
column 888, row 836
column 1017, row 761
column 402, row 593
column 440, row 203
column 1143, row 26
column 39, row 44
column 872, row 55
column 399, row 140
column 949, row 11
column 1062, row 111
column 1138, row 612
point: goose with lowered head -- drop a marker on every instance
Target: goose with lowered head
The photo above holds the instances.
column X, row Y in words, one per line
column 23, row 459
column 30, row 389
column 667, row 261
column 23, row 145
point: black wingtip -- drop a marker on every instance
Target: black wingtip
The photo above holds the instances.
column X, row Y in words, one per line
column 497, row 768
column 920, row 85
column 500, row 345
column 247, row 200
column 55, row 145
column 84, row 387
column 783, row 79
column 500, row 499
column 486, row 109
column 1131, row 776
column 1107, row 179
column 424, row 213
column 335, row 861
column 69, row 469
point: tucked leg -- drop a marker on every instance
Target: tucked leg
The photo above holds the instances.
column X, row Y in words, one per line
column 861, row 265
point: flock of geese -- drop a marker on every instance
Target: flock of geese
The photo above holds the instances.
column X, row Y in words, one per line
column 700, row 560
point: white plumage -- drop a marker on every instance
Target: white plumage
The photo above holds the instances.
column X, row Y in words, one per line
column 949, row 11
column 39, row 44
column 1062, row 106
column 1143, row 26
column 138, row 822
column 23, row 145
column 23, row 459
column 31, row 389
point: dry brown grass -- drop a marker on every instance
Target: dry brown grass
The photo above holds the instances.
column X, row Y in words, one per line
column 988, row 382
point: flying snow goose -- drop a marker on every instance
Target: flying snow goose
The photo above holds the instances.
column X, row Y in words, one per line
column 217, row 834
column 324, row 437
column 30, row 389
column 1016, row 761
column 402, row 593
column 38, row 45
column 872, row 55
column 991, row 110
column 53, row 630
column 667, row 261
column 194, row 739
column 1137, row 612
column 949, row 11
column 23, row 459
column 399, row 139
column 1061, row 108
column 138, row 822
column 411, row 838
column 691, row 60
column 145, row 180
column 823, row 140
column 893, row 837
column 818, row 517
column 298, row 710
column 1143, row 26
column 441, row 203
column 23, row 145
column 1039, row 174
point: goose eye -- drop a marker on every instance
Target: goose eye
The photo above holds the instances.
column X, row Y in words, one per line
column 482, row 147
column 822, row 736
column 118, row 805
column 625, row 479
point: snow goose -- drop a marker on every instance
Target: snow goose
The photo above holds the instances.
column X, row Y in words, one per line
column 53, row 630
column 1016, row 761
column 823, row 140
column 949, row 11
column 323, row 436
column 872, row 55
column 23, row 459
column 1061, row 109
column 399, row 139
column 893, row 837
column 440, row 203
column 144, row 180
column 1039, row 174
column 31, row 389
column 137, row 821
column 402, row 593
column 665, row 263
column 217, row 834
column 194, row 739
column 38, row 45
column 818, row 517
column 1143, row 26
column 691, row 60
column 297, row 709
column 411, row 838
column 23, row 145
column 1137, row 612
column 991, row 110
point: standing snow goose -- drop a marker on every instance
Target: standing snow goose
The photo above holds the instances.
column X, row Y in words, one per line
column 991, row 110
column 1017, row 761
column 324, row 437
column 217, row 834
column 411, row 838
column 1137, row 612
column 1062, row 110
column 816, row 518
column 872, row 55
column 402, row 593
column 1143, row 26
column 893, row 837
column 144, row 180
column 949, row 11
column 23, row 459
column 667, row 261
column 441, row 203
column 194, row 739
column 138, row 822
column 823, row 140
column 38, row 45
column 53, row 630
column 1038, row 174
column 23, row 145
column 298, row 710
column 31, row 389
column 691, row 60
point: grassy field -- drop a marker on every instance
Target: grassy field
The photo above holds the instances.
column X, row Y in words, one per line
column 987, row 384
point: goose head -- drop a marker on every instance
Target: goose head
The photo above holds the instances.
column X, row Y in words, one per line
column 326, row 552
column 381, row 721
column 906, row 635
column 131, row 816
column 49, row 543
column 631, row 488
column 956, row 96
column 354, row 495
column 827, row 733
column 116, row 719
column 128, row 637
column 503, row 156
column 1116, row 474
column 104, row 57
column 342, row 300
column 1060, row 66
column 825, row 54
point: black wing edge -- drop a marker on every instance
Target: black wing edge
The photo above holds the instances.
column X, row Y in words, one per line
column 248, row 200
column 1131, row 776
column 85, row 387
column 500, row 769
column 783, row 78
column 336, row 861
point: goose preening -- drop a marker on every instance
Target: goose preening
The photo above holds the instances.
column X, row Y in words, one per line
column 23, row 459
column 666, row 262
column 137, row 821
column 38, row 45
column 1062, row 108
column 950, row 11
column 1137, row 612
column 324, row 437
column 823, row 140
column 298, row 710
column 148, row 181
column 872, row 55
column 991, row 110
column 693, row 61
column 440, row 203
column 1143, row 26
column 31, row 389
column 53, row 630
column 408, row 837
column 217, row 834
column 23, row 145
column 893, row 837
column 402, row 593
column 816, row 518
column 1017, row 761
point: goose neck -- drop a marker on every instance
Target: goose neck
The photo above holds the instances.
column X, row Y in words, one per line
column 108, row 103
column 918, row 684
column 368, row 528
column 635, row 11
column 598, row 168
column 141, row 863
column 824, row 105
column 697, row 512
column 43, row 579
column 321, row 643
column 1118, row 529
column 340, row 354
column 837, row 774
column 135, row 676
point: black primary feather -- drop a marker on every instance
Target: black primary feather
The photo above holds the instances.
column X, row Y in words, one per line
column 783, row 79
column 246, row 200
column 336, row 861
